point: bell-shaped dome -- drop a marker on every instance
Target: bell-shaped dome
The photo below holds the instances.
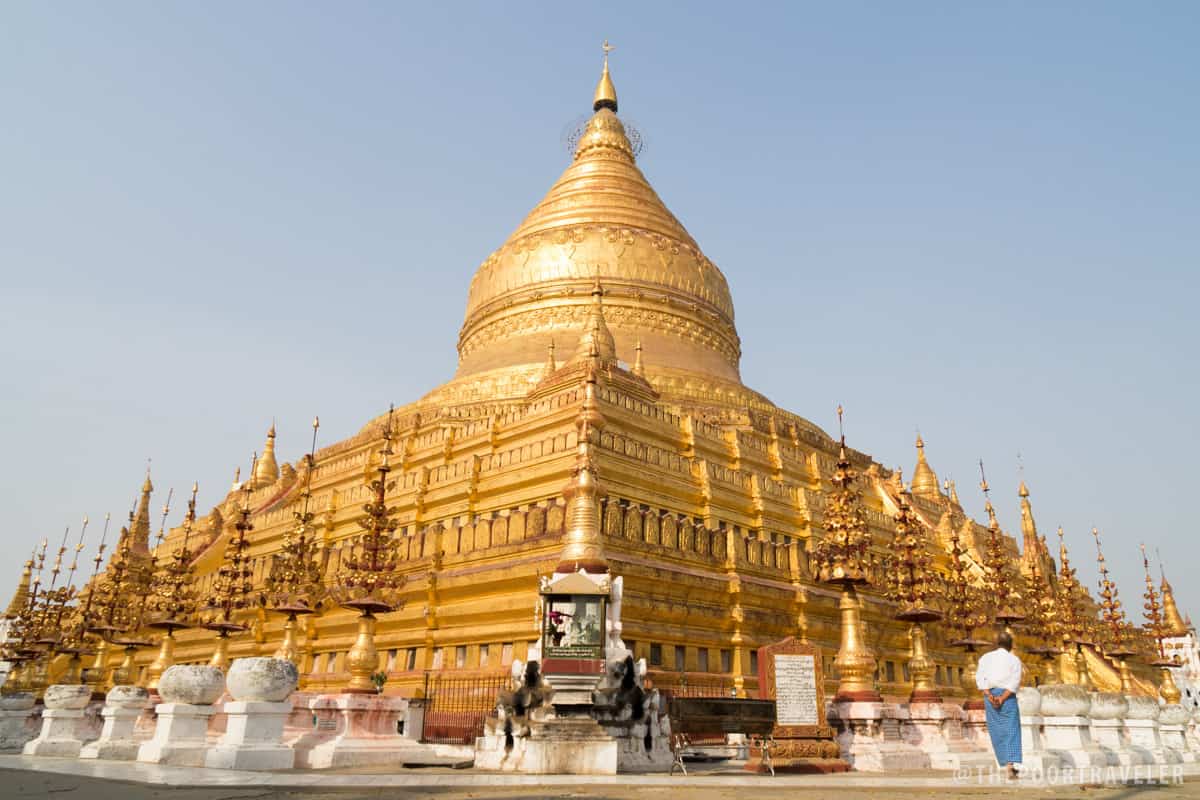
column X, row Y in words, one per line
column 602, row 221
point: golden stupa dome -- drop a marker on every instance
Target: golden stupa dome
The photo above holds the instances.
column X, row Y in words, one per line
column 602, row 221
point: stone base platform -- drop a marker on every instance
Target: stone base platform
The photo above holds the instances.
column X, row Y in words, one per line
column 358, row 730
column 576, row 745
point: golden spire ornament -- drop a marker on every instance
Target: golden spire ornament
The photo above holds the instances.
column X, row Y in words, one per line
column 583, row 547
column 233, row 584
column 841, row 561
column 51, row 596
column 28, row 652
column 1042, row 623
column 61, row 637
column 1157, row 628
column 131, row 574
column 172, row 602
column 909, row 585
column 606, row 93
column 964, row 615
column 370, row 579
column 996, row 561
column 295, row 582
column 83, row 622
column 1117, row 640
column 1076, row 632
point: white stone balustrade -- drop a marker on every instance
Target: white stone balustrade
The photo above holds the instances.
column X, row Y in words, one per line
column 1172, row 719
column 1108, row 713
column 1141, row 726
column 1067, row 727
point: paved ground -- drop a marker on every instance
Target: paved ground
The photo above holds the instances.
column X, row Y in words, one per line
column 26, row 785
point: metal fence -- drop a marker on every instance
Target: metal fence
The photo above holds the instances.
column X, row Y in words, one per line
column 683, row 684
column 457, row 705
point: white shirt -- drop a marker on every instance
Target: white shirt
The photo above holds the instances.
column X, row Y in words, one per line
column 999, row 669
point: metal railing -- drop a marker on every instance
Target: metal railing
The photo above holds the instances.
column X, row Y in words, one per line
column 457, row 705
column 691, row 684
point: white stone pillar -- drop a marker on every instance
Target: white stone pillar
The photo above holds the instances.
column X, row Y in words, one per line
column 180, row 732
column 122, row 707
column 61, row 722
column 253, row 737
column 16, row 714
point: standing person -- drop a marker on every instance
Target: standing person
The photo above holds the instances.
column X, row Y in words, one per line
column 999, row 677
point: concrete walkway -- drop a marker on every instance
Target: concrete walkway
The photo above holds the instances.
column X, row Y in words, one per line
column 708, row 776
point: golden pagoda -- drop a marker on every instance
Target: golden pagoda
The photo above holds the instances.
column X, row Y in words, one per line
column 600, row 303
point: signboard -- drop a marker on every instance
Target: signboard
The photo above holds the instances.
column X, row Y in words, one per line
column 790, row 674
column 795, row 689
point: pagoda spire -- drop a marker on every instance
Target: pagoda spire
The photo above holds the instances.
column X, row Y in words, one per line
column 952, row 492
column 266, row 470
column 1173, row 622
column 924, row 481
column 20, row 598
column 638, row 369
column 1031, row 543
column 596, row 335
column 584, row 547
column 606, row 93
column 139, row 524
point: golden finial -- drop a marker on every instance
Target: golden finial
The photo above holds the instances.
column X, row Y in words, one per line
column 606, row 93
column 637, row 362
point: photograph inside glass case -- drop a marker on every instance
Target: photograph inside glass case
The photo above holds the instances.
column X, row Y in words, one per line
column 574, row 625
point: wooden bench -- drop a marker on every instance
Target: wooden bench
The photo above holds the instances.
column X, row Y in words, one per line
column 694, row 718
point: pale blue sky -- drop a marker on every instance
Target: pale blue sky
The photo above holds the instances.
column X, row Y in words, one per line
column 979, row 219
